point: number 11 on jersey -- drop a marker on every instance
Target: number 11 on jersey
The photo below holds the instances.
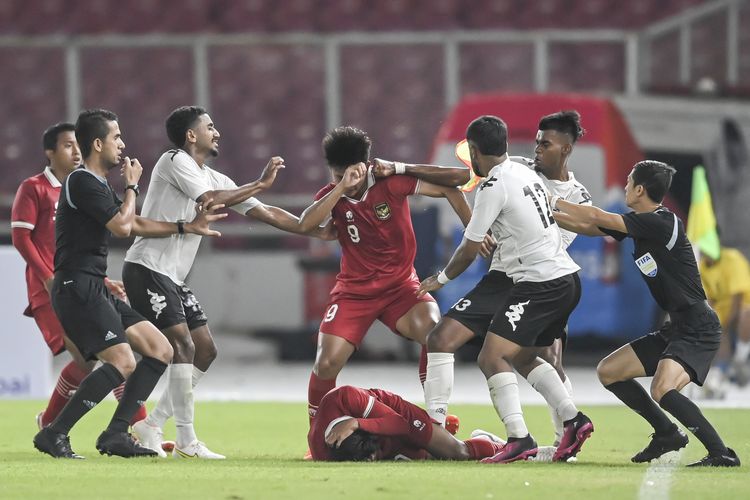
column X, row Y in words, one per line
column 539, row 196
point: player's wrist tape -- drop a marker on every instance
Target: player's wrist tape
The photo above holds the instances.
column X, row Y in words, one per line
column 443, row 278
column 400, row 167
column 180, row 227
column 553, row 202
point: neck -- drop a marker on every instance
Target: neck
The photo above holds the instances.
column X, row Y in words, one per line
column 490, row 162
column 645, row 206
column 199, row 157
column 95, row 165
column 60, row 172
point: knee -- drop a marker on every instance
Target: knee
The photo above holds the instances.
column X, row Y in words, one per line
column 438, row 342
column 207, row 353
column 125, row 364
column 486, row 363
column 182, row 348
column 327, row 367
column 606, row 373
column 659, row 389
column 164, row 352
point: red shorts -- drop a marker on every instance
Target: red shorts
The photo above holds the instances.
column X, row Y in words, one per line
column 50, row 326
column 350, row 317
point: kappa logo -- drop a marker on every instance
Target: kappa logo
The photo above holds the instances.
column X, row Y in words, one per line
column 383, row 211
column 110, row 336
column 488, row 183
column 158, row 302
column 88, row 404
column 515, row 312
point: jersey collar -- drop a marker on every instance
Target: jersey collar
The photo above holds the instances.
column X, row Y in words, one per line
column 51, row 177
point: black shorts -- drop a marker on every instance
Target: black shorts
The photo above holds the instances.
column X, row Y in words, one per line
column 476, row 309
column 90, row 315
column 162, row 301
column 690, row 338
column 535, row 314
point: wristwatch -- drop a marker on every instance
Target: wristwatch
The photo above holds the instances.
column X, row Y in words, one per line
column 134, row 187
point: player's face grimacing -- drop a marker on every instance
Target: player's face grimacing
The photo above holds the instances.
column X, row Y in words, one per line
column 551, row 149
column 112, row 146
column 207, row 135
column 358, row 188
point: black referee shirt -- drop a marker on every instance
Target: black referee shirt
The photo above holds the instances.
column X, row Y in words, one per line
column 87, row 203
column 665, row 258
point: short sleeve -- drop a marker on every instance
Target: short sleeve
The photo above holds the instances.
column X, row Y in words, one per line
column 579, row 195
column 25, row 209
column 650, row 225
column 183, row 172
column 87, row 194
column 401, row 185
column 488, row 204
column 224, row 182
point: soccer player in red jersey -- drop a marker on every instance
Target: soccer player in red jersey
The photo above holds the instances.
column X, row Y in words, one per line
column 370, row 214
column 33, row 233
column 373, row 424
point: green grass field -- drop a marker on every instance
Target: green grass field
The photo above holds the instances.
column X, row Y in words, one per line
column 265, row 443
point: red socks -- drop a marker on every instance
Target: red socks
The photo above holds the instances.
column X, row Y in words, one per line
column 316, row 389
column 69, row 380
column 481, row 448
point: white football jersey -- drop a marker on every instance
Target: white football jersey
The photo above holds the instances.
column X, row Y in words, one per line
column 176, row 183
column 512, row 203
column 570, row 190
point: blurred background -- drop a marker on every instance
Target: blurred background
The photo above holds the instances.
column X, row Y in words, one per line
column 666, row 80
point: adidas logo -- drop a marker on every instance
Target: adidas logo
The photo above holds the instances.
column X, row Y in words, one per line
column 109, row 336
column 141, row 402
column 89, row 404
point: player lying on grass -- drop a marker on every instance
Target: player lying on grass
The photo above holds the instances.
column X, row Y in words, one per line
column 354, row 424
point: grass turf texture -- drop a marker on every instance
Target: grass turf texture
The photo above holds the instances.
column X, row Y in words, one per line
column 265, row 443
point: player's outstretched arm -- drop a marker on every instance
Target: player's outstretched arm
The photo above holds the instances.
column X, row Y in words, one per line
column 281, row 219
column 454, row 196
column 565, row 221
column 317, row 213
column 201, row 224
column 462, row 258
column 444, row 176
column 587, row 217
column 231, row 197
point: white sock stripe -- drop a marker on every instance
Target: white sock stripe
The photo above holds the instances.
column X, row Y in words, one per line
column 538, row 373
column 501, row 379
column 439, row 358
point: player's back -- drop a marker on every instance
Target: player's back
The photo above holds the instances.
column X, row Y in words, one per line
column 376, row 236
column 529, row 241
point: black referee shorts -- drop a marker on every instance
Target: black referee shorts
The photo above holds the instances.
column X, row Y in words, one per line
column 162, row 301
column 536, row 313
column 476, row 309
column 92, row 317
column 691, row 338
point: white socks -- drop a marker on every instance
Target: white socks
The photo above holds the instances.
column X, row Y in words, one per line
column 556, row 420
column 181, row 392
column 741, row 351
column 504, row 393
column 438, row 385
column 164, row 409
column 546, row 381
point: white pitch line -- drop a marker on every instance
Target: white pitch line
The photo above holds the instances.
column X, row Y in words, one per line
column 658, row 477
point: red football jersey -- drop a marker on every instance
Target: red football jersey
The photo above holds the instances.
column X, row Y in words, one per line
column 403, row 428
column 34, row 210
column 376, row 236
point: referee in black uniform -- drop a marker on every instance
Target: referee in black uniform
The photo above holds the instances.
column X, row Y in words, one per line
column 682, row 350
column 101, row 326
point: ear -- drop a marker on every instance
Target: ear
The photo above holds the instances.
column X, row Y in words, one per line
column 190, row 136
column 98, row 145
column 49, row 153
column 567, row 149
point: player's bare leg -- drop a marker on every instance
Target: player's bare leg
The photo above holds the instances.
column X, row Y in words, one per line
column 444, row 446
column 332, row 354
column 442, row 343
column 416, row 325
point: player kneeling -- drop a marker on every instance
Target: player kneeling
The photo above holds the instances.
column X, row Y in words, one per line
column 354, row 424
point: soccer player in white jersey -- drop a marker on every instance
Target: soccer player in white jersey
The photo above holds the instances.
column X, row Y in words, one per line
column 470, row 317
column 512, row 204
column 156, row 268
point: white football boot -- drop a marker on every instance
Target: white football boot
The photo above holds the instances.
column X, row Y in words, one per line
column 196, row 449
column 149, row 437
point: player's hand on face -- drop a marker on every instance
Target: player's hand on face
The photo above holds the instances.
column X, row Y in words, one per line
column 353, row 176
column 488, row 246
column 116, row 288
column 341, row 431
column 383, row 168
column 131, row 170
column 205, row 214
column 268, row 176
column 429, row 285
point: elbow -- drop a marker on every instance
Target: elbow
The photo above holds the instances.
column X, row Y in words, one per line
column 462, row 177
column 122, row 231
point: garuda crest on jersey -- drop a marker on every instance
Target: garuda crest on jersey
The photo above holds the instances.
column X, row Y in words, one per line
column 383, row 211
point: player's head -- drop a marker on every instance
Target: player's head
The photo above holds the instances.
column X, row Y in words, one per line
column 487, row 136
column 360, row 446
column 98, row 133
column 649, row 179
column 343, row 147
column 555, row 138
column 190, row 127
column 61, row 147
